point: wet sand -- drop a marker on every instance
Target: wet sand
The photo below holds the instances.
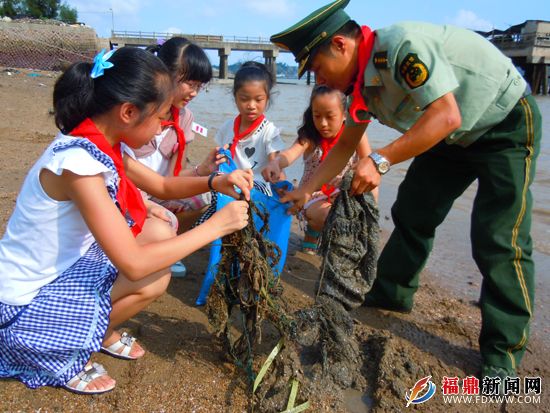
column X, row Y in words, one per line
column 184, row 370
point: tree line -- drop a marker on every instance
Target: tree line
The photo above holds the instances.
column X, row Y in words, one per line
column 39, row 9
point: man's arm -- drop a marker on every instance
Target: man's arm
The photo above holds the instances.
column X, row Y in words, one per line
column 333, row 164
column 440, row 119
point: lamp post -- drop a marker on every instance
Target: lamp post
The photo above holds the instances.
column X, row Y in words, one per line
column 112, row 21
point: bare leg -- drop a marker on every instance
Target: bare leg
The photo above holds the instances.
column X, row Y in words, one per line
column 130, row 297
column 316, row 216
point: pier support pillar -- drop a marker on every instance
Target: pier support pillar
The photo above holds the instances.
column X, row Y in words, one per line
column 537, row 77
column 546, row 72
column 270, row 57
column 224, row 57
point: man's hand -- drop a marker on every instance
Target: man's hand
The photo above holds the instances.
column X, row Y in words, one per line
column 366, row 177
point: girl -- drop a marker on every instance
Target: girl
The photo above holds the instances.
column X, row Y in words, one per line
column 79, row 255
column 323, row 123
column 252, row 139
column 166, row 153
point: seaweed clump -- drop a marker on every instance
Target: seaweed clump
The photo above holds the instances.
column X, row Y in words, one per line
column 315, row 347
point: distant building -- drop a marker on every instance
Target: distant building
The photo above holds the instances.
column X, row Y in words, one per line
column 528, row 45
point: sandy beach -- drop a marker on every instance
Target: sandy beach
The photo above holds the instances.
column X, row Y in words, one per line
column 184, row 369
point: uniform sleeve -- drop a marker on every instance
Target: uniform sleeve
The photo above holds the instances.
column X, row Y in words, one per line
column 272, row 140
column 422, row 69
column 186, row 122
column 78, row 161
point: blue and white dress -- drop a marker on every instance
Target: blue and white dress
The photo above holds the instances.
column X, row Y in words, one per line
column 48, row 341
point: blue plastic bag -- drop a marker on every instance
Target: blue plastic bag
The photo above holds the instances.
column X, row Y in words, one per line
column 279, row 226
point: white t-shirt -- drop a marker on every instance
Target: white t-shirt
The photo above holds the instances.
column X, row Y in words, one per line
column 44, row 237
column 252, row 151
column 158, row 153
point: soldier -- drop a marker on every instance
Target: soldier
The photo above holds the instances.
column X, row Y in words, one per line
column 465, row 114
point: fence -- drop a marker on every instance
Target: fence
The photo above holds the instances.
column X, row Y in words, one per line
column 521, row 40
column 45, row 46
column 192, row 37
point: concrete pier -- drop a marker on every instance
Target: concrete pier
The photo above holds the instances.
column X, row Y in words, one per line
column 528, row 45
column 223, row 44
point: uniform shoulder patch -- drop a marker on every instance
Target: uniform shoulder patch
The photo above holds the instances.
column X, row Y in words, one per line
column 414, row 71
column 380, row 60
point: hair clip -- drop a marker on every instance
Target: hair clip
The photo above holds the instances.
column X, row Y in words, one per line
column 101, row 63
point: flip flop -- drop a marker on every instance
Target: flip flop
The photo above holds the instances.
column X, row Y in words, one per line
column 85, row 377
column 126, row 341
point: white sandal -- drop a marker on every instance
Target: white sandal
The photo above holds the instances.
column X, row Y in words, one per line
column 126, row 341
column 85, row 377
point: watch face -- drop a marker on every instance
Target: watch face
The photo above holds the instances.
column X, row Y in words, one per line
column 383, row 167
column 382, row 164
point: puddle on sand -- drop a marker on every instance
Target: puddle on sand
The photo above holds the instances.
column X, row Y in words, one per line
column 357, row 402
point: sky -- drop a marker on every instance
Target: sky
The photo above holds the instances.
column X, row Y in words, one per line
column 262, row 18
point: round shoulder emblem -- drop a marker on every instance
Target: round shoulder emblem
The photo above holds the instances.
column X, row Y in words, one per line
column 414, row 71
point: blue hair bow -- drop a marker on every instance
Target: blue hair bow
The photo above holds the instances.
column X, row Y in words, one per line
column 101, row 63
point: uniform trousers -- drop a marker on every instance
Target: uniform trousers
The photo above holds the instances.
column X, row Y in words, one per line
column 503, row 162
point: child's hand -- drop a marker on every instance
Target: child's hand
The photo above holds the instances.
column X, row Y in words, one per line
column 272, row 171
column 232, row 217
column 298, row 197
column 211, row 162
column 158, row 211
column 241, row 178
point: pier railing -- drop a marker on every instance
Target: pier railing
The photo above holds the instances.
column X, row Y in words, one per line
column 521, row 40
column 192, row 37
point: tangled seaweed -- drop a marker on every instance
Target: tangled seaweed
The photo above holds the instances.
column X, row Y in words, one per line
column 245, row 279
column 318, row 346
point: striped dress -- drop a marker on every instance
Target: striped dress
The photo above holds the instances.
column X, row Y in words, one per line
column 49, row 340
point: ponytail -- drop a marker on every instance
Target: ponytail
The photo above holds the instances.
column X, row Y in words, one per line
column 73, row 96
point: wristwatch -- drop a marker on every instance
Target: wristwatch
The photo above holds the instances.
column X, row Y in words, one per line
column 382, row 164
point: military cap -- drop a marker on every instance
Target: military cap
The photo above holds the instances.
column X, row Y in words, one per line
column 310, row 32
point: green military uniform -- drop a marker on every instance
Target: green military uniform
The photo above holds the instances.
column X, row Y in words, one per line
column 411, row 65
column 497, row 144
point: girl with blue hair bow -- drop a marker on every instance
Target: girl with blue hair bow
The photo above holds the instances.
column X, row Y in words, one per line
column 83, row 252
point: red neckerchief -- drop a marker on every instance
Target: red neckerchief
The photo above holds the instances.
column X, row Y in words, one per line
column 365, row 49
column 238, row 136
column 128, row 196
column 175, row 123
column 326, row 145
